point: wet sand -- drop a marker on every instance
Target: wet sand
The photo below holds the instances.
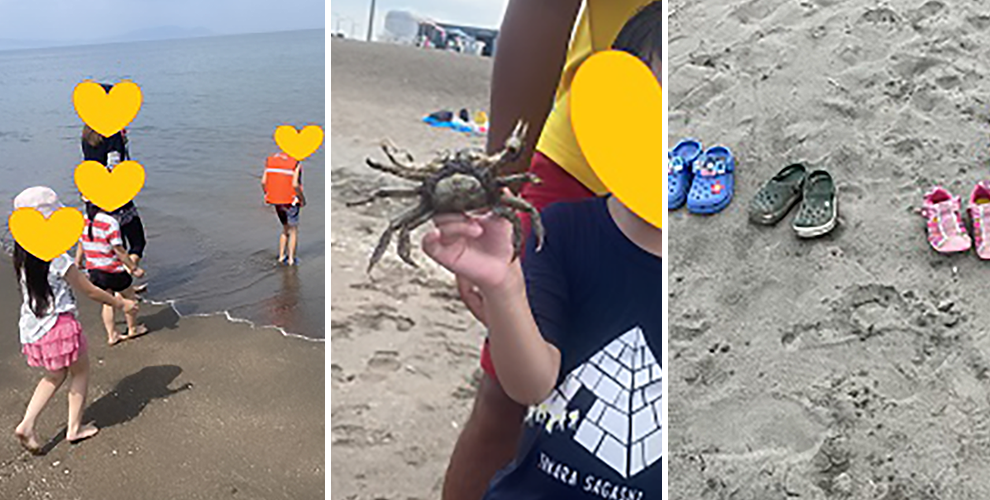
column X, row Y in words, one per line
column 404, row 348
column 856, row 365
column 200, row 408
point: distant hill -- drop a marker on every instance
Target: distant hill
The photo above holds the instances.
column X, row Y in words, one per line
column 149, row 34
column 161, row 33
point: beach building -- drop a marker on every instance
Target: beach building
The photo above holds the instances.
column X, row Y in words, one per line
column 407, row 28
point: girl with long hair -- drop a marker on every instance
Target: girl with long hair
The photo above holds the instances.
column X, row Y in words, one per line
column 51, row 336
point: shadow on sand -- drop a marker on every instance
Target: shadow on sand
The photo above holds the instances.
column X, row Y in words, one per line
column 128, row 399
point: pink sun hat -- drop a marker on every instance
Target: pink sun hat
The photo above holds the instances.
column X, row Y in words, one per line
column 40, row 198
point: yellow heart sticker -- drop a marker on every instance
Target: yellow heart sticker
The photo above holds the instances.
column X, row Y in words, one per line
column 107, row 113
column 46, row 238
column 299, row 144
column 107, row 189
column 617, row 116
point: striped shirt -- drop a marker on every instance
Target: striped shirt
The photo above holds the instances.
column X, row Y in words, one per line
column 98, row 250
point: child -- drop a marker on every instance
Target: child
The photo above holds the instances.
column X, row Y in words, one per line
column 524, row 82
column 51, row 337
column 101, row 250
column 577, row 338
column 282, row 184
column 109, row 151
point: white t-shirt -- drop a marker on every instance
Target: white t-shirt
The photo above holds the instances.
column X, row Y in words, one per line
column 33, row 327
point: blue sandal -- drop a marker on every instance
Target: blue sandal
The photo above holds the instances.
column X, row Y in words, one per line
column 680, row 162
column 714, row 181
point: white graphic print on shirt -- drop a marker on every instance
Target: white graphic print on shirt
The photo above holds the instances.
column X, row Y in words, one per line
column 622, row 427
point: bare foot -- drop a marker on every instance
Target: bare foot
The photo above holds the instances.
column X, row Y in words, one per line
column 29, row 440
column 141, row 288
column 138, row 331
column 115, row 339
column 85, row 432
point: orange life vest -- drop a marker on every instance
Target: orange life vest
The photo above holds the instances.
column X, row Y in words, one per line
column 279, row 171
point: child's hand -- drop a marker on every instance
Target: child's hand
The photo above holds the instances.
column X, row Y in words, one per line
column 478, row 249
column 472, row 298
column 129, row 306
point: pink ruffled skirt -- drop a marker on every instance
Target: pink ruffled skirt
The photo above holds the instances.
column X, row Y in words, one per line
column 60, row 347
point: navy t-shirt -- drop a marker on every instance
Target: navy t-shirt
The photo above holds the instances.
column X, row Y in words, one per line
column 596, row 296
column 115, row 143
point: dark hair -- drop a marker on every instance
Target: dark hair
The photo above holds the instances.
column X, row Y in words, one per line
column 34, row 272
column 91, row 212
column 642, row 35
column 92, row 137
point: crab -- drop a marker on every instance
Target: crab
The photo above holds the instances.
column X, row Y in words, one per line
column 454, row 182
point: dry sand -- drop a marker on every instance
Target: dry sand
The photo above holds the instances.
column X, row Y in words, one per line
column 200, row 408
column 404, row 348
column 854, row 366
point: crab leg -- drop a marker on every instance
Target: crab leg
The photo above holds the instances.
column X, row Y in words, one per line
column 385, row 193
column 517, row 234
column 534, row 214
column 399, row 171
column 405, row 244
column 512, row 179
column 513, row 147
column 396, row 223
column 393, row 152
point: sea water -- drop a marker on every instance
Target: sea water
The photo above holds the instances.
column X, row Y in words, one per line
column 211, row 106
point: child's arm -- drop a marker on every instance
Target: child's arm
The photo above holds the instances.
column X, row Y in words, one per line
column 532, row 50
column 80, row 284
column 297, row 185
column 527, row 365
column 480, row 250
column 125, row 259
column 79, row 255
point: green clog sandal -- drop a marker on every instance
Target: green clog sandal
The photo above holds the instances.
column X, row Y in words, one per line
column 778, row 195
column 819, row 211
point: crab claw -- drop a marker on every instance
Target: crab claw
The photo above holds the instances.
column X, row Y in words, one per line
column 515, row 141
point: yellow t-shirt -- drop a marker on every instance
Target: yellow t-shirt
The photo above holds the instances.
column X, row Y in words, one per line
column 600, row 23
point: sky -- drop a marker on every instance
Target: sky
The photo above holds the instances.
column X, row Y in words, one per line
column 480, row 13
column 72, row 20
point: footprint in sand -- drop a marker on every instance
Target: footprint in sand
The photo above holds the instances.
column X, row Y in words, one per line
column 881, row 17
column 926, row 12
column 689, row 325
column 358, row 436
column 862, row 312
column 711, row 370
column 980, row 22
column 337, row 374
column 339, row 330
column 384, row 362
column 377, row 319
column 414, row 456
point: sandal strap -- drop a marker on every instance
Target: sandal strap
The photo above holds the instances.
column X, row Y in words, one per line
column 675, row 164
column 711, row 167
column 944, row 220
column 979, row 214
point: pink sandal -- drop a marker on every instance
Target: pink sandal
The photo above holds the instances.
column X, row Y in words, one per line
column 946, row 232
column 979, row 212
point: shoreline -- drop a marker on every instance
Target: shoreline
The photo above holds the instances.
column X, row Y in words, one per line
column 171, row 303
column 233, row 411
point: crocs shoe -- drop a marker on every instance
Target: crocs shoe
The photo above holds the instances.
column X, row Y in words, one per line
column 680, row 160
column 979, row 213
column 819, row 211
column 778, row 195
column 714, row 181
column 946, row 232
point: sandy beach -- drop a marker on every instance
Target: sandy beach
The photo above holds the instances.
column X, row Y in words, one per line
column 856, row 365
column 200, row 408
column 404, row 348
